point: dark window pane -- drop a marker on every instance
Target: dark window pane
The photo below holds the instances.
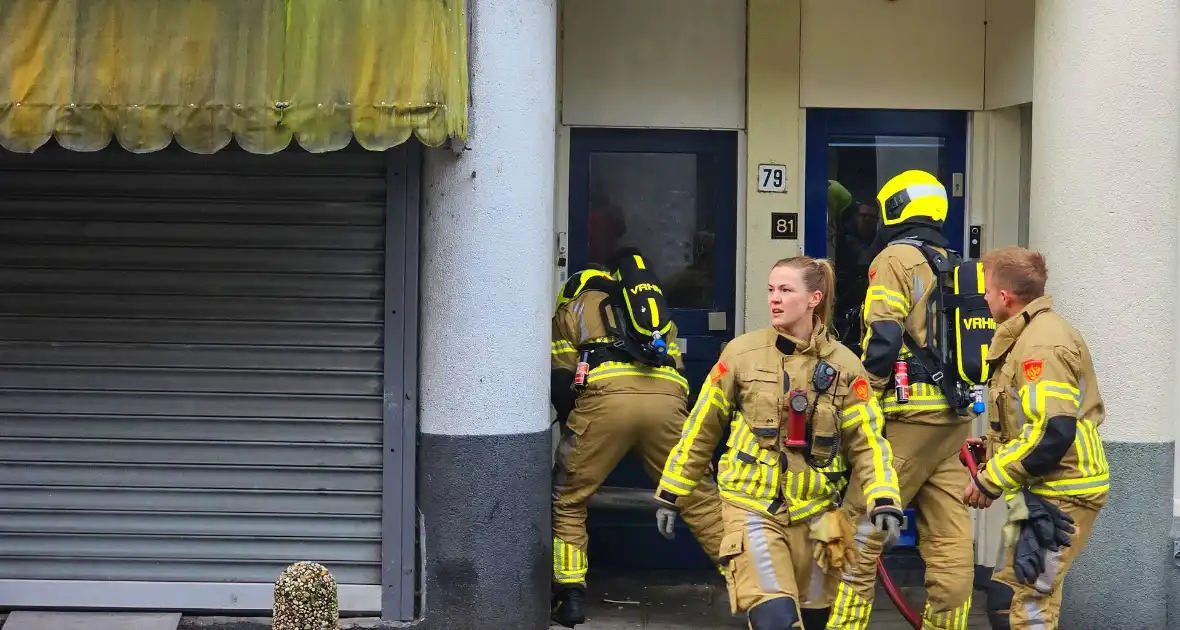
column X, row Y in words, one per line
column 858, row 166
column 653, row 201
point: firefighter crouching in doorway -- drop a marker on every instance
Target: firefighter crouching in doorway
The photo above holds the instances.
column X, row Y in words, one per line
column 1045, row 454
column 925, row 432
column 624, row 406
column 794, row 400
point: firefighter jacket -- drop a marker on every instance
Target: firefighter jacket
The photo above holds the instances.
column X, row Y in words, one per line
column 1045, row 410
column 580, row 322
column 900, row 285
column 757, row 472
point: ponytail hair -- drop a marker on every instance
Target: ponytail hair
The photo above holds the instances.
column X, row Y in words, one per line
column 818, row 275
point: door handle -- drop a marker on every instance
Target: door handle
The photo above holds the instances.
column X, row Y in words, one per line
column 717, row 320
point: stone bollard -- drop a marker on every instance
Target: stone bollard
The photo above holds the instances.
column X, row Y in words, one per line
column 306, row 599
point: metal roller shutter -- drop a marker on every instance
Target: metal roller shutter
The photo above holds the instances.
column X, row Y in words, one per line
column 191, row 365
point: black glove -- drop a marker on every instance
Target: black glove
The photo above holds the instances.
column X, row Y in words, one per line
column 1051, row 526
column 1029, row 560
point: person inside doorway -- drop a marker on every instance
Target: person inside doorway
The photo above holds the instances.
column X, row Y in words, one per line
column 853, row 253
column 784, row 532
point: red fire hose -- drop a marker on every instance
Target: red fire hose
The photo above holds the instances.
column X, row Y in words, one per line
column 968, row 458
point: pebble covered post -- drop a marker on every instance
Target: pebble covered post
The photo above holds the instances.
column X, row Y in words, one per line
column 306, row 599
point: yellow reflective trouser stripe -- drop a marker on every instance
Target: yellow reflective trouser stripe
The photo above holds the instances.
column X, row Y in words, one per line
column 923, row 397
column 569, row 563
column 850, row 611
column 613, row 369
column 955, row 619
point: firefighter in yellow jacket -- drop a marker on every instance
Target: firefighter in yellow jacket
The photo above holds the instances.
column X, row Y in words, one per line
column 625, row 406
column 795, row 401
column 1046, row 457
column 925, row 432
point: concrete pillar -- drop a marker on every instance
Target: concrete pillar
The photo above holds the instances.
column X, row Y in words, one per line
column 1104, row 194
column 486, row 261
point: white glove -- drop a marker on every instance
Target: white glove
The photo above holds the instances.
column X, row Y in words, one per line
column 666, row 522
column 888, row 520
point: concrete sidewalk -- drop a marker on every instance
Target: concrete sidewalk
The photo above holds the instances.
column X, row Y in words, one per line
column 671, row 601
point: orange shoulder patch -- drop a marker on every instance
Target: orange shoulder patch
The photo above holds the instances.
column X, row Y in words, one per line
column 861, row 387
column 872, row 274
column 1033, row 368
column 719, row 370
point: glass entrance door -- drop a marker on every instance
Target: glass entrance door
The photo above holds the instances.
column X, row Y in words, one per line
column 850, row 155
column 673, row 195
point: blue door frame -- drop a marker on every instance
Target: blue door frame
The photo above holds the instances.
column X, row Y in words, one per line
column 629, row 539
column 823, row 124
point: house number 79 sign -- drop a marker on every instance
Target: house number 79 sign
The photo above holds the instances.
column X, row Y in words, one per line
column 772, row 178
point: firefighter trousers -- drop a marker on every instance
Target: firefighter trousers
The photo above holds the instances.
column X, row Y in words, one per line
column 600, row 431
column 1015, row 606
column 766, row 560
column 930, row 475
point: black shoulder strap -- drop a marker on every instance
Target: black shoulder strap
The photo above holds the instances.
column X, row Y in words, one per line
column 925, row 356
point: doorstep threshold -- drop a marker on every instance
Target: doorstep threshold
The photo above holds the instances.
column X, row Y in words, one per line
column 52, row 620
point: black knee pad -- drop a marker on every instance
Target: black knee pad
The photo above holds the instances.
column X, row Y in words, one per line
column 999, row 605
column 780, row 613
column 816, row 618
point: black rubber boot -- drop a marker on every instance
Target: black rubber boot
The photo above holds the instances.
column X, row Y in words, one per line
column 569, row 605
column 816, row 618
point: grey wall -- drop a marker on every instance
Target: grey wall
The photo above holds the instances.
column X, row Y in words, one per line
column 486, row 265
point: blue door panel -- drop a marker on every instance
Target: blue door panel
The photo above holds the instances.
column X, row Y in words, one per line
column 628, row 539
column 831, row 128
column 824, row 124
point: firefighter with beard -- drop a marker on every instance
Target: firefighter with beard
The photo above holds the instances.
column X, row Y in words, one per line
column 924, row 431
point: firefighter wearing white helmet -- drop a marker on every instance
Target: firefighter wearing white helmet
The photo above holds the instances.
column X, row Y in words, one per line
column 924, row 431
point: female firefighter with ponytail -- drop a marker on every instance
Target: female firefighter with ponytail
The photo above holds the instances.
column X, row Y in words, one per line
column 799, row 410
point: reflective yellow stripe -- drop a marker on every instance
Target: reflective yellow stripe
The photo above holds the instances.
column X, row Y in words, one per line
column 562, row 347
column 709, row 399
column 954, row 619
column 923, row 397
column 758, row 480
column 850, row 611
column 1073, row 487
column 741, row 499
column 612, row 369
column 1032, row 401
column 870, row 418
column 569, row 563
column 878, row 293
column 806, row 509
